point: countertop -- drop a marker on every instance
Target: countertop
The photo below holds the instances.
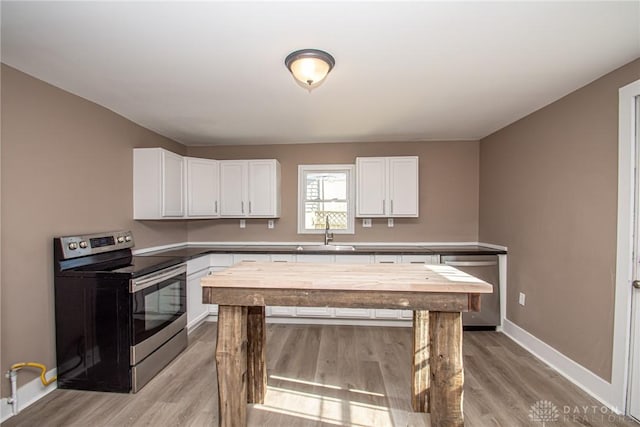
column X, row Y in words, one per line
column 189, row 252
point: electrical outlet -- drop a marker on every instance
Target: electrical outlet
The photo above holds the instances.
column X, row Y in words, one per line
column 521, row 298
column 390, row 222
column 366, row 222
column 243, row 223
column 270, row 224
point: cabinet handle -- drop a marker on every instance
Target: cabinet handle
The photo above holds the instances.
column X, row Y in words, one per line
column 241, row 207
column 386, row 262
column 249, row 206
column 215, row 209
column 384, row 206
column 392, row 206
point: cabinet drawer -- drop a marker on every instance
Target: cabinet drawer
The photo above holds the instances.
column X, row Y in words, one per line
column 386, row 259
column 314, row 311
column 383, row 313
column 315, row 258
column 359, row 313
column 221, row 260
column 353, row 259
column 278, row 311
column 420, row 259
column 250, row 258
column 197, row 264
column 283, row 258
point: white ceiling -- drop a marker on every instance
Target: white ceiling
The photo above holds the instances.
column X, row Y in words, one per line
column 213, row 72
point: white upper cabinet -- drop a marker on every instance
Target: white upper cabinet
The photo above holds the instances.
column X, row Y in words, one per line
column 158, row 184
column 371, row 181
column 250, row 188
column 403, row 186
column 264, row 188
column 233, row 188
column 387, row 186
column 202, row 188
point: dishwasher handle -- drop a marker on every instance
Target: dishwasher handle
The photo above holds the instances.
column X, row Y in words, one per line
column 470, row 263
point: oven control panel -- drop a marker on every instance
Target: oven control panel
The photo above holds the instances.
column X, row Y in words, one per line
column 90, row 244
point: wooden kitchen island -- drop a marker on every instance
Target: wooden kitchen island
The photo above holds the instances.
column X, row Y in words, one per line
column 437, row 294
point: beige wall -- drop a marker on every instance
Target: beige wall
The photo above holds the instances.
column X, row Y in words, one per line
column 66, row 168
column 548, row 192
column 448, row 192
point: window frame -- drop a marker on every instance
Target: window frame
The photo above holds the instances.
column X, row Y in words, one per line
column 351, row 187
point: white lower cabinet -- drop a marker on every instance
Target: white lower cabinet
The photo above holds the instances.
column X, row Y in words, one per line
column 197, row 268
column 196, row 311
column 218, row 262
column 277, row 311
column 315, row 311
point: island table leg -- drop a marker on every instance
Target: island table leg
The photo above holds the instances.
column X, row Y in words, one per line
column 231, row 365
column 447, row 375
column 256, row 357
column 420, row 366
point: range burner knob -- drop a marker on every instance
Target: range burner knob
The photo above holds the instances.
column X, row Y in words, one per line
column 83, row 244
column 127, row 238
column 73, row 246
column 120, row 239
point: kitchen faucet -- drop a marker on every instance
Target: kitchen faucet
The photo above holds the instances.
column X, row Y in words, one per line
column 328, row 237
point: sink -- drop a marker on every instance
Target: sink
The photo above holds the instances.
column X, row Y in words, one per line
column 331, row 248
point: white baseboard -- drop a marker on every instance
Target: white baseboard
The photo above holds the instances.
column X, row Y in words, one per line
column 191, row 326
column 28, row 394
column 571, row 370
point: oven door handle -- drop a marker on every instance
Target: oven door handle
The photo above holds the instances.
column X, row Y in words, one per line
column 136, row 285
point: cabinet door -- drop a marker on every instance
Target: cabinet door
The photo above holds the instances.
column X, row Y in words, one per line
column 202, row 187
column 315, row 311
column 403, row 186
column 371, row 187
column 233, row 188
column 263, row 188
column 196, row 310
column 213, row 308
column 277, row 311
column 172, row 185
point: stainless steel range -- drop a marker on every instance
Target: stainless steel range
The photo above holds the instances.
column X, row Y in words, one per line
column 120, row 318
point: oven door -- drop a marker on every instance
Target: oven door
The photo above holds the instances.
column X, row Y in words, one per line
column 158, row 309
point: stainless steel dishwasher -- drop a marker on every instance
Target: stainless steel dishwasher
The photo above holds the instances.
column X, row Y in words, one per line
column 484, row 267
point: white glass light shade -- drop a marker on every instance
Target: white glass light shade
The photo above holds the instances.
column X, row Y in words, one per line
column 309, row 66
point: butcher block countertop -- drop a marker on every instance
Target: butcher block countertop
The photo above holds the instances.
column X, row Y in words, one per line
column 386, row 286
column 366, row 277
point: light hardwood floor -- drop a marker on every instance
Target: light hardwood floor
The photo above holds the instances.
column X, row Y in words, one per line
column 333, row 375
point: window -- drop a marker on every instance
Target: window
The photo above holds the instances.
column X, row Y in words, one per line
column 325, row 191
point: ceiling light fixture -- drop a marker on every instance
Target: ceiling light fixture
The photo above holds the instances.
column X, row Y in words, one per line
column 309, row 66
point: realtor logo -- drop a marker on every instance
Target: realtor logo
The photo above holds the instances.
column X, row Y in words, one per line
column 544, row 412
